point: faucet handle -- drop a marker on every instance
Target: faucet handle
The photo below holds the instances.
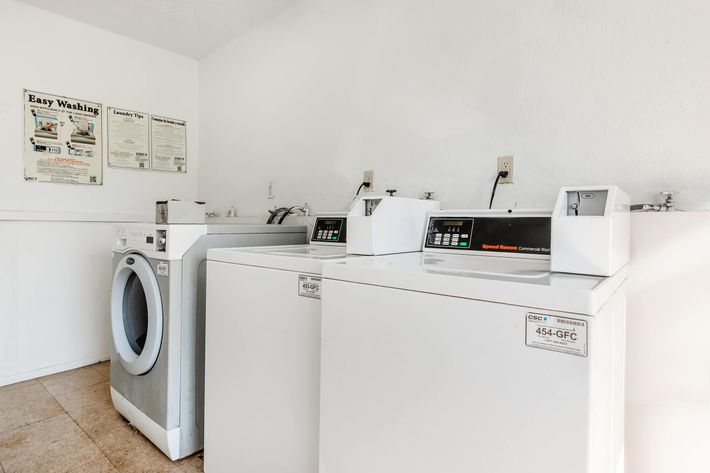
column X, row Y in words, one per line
column 667, row 197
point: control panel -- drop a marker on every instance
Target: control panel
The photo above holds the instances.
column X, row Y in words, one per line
column 141, row 238
column 450, row 233
column 527, row 235
column 329, row 230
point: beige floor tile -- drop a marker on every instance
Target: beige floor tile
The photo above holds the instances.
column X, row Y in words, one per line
column 133, row 453
column 55, row 445
column 191, row 465
column 103, row 368
column 26, row 404
column 100, row 420
column 85, row 397
column 102, row 465
column 21, row 384
column 61, row 383
column 125, row 446
column 39, row 437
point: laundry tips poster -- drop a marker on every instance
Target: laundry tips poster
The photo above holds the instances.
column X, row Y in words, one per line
column 62, row 139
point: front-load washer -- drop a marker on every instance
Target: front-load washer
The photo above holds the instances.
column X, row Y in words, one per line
column 157, row 323
column 263, row 353
column 472, row 356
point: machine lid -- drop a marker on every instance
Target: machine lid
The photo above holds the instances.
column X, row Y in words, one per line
column 136, row 314
column 301, row 258
column 516, row 281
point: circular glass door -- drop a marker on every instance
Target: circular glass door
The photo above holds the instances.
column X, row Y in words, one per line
column 136, row 314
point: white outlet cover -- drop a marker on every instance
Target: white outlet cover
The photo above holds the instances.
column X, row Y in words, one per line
column 369, row 176
column 505, row 163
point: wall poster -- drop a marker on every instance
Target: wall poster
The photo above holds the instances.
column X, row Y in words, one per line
column 128, row 139
column 62, row 139
column 168, row 144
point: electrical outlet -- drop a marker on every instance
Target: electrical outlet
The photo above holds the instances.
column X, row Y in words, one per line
column 369, row 176
column 505, row 163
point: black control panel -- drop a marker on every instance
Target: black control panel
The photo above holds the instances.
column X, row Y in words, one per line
column 521, row 235
column 449, row 233
column 329, row 230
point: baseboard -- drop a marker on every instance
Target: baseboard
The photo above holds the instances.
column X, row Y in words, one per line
column 19, row 377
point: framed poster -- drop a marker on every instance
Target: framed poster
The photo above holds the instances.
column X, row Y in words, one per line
column 62, row 139
column 168, row 144
column 128, row 135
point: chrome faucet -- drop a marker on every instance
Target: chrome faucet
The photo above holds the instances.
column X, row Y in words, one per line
column 668, row 205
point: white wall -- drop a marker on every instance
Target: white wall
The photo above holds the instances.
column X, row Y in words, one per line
column 668, row 352
column 55, row 275
column 54, row 291
column 429, row 93
column 49, row 53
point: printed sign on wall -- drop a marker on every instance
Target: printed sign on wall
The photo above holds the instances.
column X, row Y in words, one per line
column 62, row 139
column 128, row 139
column 168, row 144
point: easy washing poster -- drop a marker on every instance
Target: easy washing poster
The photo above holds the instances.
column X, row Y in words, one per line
column 62, row 140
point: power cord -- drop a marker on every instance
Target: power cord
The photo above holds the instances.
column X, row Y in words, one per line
column 364, row 184
column 503, row 174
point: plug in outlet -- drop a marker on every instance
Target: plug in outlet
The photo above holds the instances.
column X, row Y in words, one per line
column 369, row 176
column 505, row 163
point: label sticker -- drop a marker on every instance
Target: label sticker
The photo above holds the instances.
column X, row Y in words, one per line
column 560, row 334
column 309, row 286
column 162, row 268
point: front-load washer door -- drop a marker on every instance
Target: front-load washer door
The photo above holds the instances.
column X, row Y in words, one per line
column 136, row 314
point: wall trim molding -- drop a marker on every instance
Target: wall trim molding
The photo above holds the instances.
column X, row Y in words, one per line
column 39, row 216
column 34, row 374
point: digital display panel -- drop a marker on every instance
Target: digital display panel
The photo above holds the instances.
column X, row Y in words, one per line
column 329, row 230
column 522, row 235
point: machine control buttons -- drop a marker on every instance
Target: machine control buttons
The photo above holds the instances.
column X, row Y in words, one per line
column 330, row 229
column 494, row 234
column 449, row 232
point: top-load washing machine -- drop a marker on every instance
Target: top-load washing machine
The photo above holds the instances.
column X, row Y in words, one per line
column 263, row 348
column 263, row 353
column 473, row 355
column 157, row 323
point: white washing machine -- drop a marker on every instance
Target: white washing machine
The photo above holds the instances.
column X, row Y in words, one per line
column 263, row 348
column 472, row 356
column 263, row 353
column 157, row 323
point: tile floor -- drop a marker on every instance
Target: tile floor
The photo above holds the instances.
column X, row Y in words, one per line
column 65, row 423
